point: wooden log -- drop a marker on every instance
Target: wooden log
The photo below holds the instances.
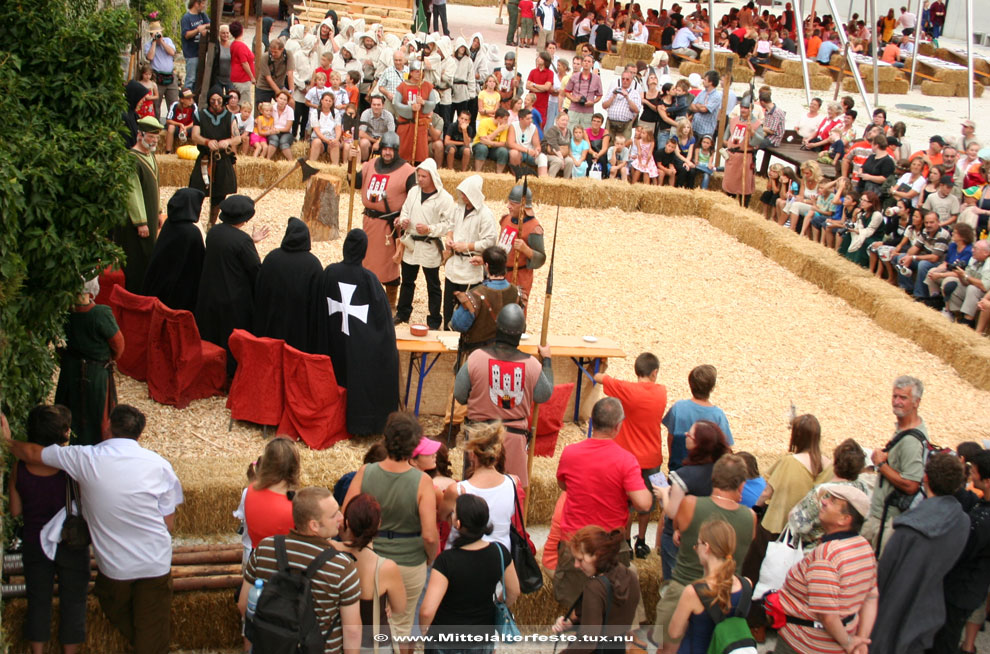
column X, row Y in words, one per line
column 182, row 571
column 321, row 207
column 202, row 558
column 206, row 583
column 221, row 547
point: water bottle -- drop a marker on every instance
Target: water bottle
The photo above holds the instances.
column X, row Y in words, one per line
column 253, row 596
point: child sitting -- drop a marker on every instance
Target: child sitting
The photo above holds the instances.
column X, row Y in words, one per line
column 618, row 159
column 245, row 125
column 666, row 164
column 264, row 125
column 769, row 197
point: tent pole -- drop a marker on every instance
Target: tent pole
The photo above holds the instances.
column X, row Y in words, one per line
column 876, row 53
column 917, row 41
column 799, row 22
column 711, row 31
column 969, row 58
column 853, row 65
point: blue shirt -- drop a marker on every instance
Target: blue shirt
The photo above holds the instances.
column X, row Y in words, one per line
column 826, row 50
column 462, row 319
column 190, row 47
column 752, row 490
column 163, row 62
column 679, row 419
column 955, row 254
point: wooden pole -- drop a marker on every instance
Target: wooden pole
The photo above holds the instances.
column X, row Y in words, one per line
column 719, row 135
column 258, row 25
column 742, row 189
column 842, row 72
column 352, row 179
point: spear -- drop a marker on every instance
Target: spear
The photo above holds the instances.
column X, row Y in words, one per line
column 543, row 342
column 519, row 219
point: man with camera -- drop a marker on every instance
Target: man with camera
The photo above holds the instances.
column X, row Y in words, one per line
column 160, row 52
column 584, row 88
column 623, row 104
column 899, row 464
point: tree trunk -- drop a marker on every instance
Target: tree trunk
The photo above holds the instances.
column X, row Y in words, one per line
column 321, row 208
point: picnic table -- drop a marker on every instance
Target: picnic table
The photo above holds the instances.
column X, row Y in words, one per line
column 790, row 151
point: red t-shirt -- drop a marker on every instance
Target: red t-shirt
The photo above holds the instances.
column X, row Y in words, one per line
column 537, row 76
column 597, row 474
column 266, row 513
column 644, row 405
column 239, row 53
column 526, row 9
column 325, row 71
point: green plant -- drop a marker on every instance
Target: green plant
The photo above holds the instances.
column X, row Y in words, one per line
column 64, row 170
column 169, row 13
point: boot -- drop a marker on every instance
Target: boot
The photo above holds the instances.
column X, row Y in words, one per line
column 392, row 293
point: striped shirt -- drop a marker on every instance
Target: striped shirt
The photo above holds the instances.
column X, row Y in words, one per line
column 336, row 584
column 834, row 578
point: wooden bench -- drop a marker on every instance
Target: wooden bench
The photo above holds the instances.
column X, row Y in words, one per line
column 790, row 151
column 763, row 68
column 680, row 57
column 835, row 70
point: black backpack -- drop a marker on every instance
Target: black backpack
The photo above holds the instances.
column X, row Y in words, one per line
column 284, row 621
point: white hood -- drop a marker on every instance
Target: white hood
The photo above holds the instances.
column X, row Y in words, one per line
column 430, row 166
column 458, row 44
column 471, row 187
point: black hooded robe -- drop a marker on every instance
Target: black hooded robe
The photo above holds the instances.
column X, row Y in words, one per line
column 134, row 92
column 353, row 324
column 177, row 261
column 282, row 292
column 226, row 288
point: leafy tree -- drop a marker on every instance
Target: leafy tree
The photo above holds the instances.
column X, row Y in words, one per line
column 63, row 176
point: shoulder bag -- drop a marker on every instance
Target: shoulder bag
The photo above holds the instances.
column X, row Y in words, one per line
column 528, row 570
column 505, row 622
column 75, row 531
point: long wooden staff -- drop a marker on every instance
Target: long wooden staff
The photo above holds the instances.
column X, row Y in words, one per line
column 352, row 176
column 419, row 96
column 519, row 219
column 543, row 342
column 742, row 190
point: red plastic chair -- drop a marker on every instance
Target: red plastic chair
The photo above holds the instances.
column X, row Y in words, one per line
column 315, row 409
column 109, row 279
column 133, row 314
column 256, row 393
column 551, row 420
column 181, row 366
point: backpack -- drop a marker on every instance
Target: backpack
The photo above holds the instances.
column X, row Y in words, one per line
column 285, row 619
column 732, row 634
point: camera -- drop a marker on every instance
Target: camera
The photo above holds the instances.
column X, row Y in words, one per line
column 850, row 225
column 157, row 36
column 958, row 265
column 584, row 100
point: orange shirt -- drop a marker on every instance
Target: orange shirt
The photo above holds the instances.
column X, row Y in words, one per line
column 813, row 44
column 890, row 53
column 644, row 404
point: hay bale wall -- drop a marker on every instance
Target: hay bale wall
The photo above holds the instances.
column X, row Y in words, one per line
column 791, row 67
column 200, row 620
column 938, row 89
column 884, row 73
column 789, row 81
column 895, row 87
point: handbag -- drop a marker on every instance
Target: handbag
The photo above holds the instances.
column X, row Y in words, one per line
column 596, row 171
column 781, row 556
column 505, row 622
column 528, row 570
column 75, row 531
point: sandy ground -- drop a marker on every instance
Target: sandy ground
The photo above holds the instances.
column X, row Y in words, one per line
column 649, row 283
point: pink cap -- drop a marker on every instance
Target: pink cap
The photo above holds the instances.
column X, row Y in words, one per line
column 426, row 447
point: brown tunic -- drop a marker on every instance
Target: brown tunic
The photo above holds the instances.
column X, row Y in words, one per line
column 732, row 181
column 377, row 189
column 405, row 128
column 517, row 271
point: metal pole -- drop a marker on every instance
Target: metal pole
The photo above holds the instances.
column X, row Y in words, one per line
column 969, row 58
column 876, row 53
column 799, row 23
column 917, row 40
column 853, row 64
column 711, row 30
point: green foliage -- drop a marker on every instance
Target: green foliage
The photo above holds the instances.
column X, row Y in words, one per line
column 63, row 172
column 169, row 13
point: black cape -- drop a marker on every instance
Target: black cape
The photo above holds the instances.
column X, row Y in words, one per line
column 365, row 358
column 226, row 287
column 134, row 92
column 177, row 261
column 282, row 293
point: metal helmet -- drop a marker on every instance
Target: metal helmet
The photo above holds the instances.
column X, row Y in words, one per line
column 510, row 324
column 518, row 192
column 389, row 140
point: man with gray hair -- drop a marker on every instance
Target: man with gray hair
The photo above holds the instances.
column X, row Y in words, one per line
column 601, row 479
column 963, row 287
column 900, row 464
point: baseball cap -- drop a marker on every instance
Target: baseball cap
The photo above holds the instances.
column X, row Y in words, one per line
column 186, row 93
column 946, row 180
column 937, row 139
column 973, row 192
column 969, row 123
column 856, row 498
column 426, row 447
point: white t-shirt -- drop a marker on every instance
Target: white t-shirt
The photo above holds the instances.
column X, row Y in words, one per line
column 245, row 125
column 807, row 126
column 918, row 185
column 327, row 124
column 524, row 138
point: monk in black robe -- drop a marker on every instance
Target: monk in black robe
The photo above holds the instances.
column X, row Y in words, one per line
column 134, row 92
column 226, row 288
column 281, row 295
column 177, row 260
column 354, row 326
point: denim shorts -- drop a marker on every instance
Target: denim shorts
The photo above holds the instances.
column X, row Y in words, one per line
column 281, row 141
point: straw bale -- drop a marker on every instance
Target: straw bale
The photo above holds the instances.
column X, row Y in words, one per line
column 688, row 67
column 971, row 362
column 539, row 608
column 938, row 89
column 866, row 293
column 636, row 50
column 962, row 90
column 397, row 22
column 919, row 323
column 740, row 74
column 792, row 67
column 376, row 11
column 789, row 81
column 957, row 76
column 667, row 201
column 884, row 73
column 893, row 87
column 200, row 620
column 926, row 48
column 613, row 61
column 720, row 58
column 827, row 270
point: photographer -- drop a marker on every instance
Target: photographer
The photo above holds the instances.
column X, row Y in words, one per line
column 945, row 278
column 584, row 89
column 160, row 53
column 623, row 105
